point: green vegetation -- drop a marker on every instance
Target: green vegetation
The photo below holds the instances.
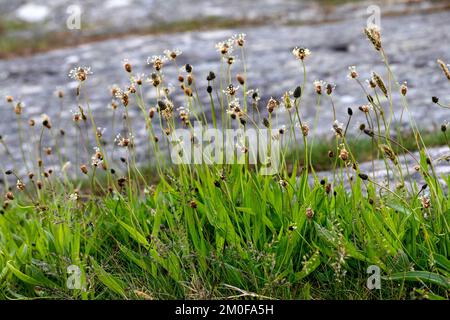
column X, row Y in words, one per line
column 216, row 231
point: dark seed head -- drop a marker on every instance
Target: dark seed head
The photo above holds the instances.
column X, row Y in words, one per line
column 188, row 68
column 8, row 172
column 193, row 204
column 127, row 67
column 369, row 97
column 189, row 79
column 121, row 182
column 161, row 105
column 297, row 92
column 266, row 122
column 424, row 186
column 350, row 111
column 209, row 89
column 240, row 78
column 329, row 88
column 435, row 99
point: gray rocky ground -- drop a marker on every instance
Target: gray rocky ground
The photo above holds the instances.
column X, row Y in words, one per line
column 413, row 43
column 109, row 16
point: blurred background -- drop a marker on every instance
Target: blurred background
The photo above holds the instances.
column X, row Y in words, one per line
column 37, row 50
column 30, row 26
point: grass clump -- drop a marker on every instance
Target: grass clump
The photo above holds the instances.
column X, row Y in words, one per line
column 211, row 230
